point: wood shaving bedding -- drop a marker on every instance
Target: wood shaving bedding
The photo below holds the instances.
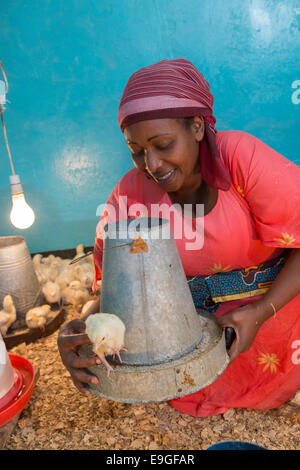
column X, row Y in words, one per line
column 58, row 416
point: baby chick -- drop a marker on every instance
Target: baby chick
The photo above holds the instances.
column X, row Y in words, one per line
column 8, row 315
column 37, row 317
column 67, row 274
column 48, row 260
column 79, row 251
column 36, row 261
column 85, row 275
column 41, row 270
column 106, row 331
column 75, row 294
column 51, row 292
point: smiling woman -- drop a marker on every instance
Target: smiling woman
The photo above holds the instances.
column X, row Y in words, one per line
column 247, row 271
column 168, row 151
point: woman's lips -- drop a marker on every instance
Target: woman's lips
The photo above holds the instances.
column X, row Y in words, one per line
column 167, row 177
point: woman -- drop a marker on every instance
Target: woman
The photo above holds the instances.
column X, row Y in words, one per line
column 251, row 198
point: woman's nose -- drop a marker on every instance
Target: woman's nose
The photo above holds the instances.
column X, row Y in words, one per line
column 152, row 161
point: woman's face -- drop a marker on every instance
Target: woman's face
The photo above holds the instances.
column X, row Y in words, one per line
column 167, row 150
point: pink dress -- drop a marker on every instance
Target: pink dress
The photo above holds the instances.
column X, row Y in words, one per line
column 252, row 222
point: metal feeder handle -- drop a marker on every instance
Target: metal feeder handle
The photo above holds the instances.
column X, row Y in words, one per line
column 96, row 251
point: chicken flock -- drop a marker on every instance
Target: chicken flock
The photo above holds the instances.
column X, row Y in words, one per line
column 61, row 283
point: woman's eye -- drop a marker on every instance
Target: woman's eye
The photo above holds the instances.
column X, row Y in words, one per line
column 137, row 154
column 164, row 146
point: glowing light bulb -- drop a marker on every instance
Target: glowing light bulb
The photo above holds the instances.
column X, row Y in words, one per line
column 21, row 215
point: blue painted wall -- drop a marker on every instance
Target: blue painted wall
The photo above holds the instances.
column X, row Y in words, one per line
column 67, row 63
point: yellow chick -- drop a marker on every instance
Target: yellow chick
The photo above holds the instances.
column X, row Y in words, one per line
column 85, row 275
column 67, row 274
column 41, row 270
column 8, row 315
column 37, row 317
column 51, row 292
column 79, row 251
column 64, row 262
column 107, row 332
column 36, row 261
column 76, row 295
column 48, row 260
column 53, row 271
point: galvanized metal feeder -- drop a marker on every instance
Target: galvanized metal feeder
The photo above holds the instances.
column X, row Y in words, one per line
column 173, row 350
column 18, row 277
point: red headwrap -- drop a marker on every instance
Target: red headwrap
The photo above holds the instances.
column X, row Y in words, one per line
column 175, row 89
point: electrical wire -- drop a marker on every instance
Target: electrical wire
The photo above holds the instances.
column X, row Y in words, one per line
column 2, row 121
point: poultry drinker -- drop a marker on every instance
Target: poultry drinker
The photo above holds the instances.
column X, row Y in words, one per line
column 172, row 349
column 16, row 385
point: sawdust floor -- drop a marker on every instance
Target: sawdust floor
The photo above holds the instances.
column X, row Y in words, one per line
column 60, row 417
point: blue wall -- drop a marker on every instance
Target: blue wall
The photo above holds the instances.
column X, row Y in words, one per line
column 67, row 63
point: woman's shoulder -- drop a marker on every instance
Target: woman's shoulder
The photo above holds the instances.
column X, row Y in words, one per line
column 238, row 148
column 229, row 140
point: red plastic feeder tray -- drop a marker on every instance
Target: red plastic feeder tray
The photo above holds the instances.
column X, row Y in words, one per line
column 20, row 393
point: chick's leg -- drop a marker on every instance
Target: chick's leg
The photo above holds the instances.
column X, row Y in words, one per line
column 118, row 353
column 107, row 365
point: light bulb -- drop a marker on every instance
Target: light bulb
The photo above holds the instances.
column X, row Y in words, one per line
column 21, row 215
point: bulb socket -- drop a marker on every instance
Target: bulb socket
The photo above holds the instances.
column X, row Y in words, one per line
column 15, row 184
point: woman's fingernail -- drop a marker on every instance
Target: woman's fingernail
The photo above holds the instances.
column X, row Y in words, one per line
column 98, row 361
column 94, row 380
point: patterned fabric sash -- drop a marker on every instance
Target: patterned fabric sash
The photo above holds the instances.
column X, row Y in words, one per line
column 209, row 292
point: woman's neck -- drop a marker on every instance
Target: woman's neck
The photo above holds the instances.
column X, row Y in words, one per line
column 201, row 194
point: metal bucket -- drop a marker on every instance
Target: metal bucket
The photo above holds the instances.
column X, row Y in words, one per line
column 17, row 276
column 149, row 292
column 172, row 350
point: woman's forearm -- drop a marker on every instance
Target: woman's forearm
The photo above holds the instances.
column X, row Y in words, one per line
column 284, row 288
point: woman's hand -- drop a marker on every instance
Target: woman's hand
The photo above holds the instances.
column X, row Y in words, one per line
column 246, row 322
column 70, row 337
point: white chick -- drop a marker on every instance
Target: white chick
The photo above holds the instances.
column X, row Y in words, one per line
column 8, row 315
column 41, row 270
column 53, row 271
column 79, row 251
column 67, row 275
column 36, row 261
column 51, row 292
column 37, row 317
column 65, row 262
column 85, row 275
column 48, row 260
column 106, row 331
column 75, row 294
